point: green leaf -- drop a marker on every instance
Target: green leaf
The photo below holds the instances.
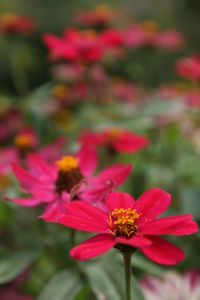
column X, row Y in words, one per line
column 145, row 265
column 106, row 277
column 12, row 265
column 64, row 285
column 190, row 200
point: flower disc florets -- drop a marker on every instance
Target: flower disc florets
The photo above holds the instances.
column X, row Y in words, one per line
column 123, row 222
column 69, row 173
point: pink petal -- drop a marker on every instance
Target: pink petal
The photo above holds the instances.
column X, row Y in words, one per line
column 28, row 202
column 151, row 204
column 135, row 241
column 25, row 178
column 189, row 228
column 83, row 216
column 129, row 142
column 168, row 225
column 44, row 194
column 53, row 151
column 39, row 166
column 116, row 173
column 88, row 160
column 163, row 252
column 94, row 246
column 53, row 211
column 119, row 200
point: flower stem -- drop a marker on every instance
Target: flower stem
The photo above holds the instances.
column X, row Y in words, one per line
column 72, row 237
column 127, row 268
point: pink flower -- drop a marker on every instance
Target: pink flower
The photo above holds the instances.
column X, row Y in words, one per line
column 57, row 184
column 101, row 15
column 27, row 142
column 14, row 23
column 129, row 223
column 170, row 39
column 75, row 45
column 116, row 139
column 193, row 98
column 189, row 67
column 185, row 286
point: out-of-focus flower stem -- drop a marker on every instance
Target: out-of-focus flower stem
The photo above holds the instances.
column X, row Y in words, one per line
column 18, row 75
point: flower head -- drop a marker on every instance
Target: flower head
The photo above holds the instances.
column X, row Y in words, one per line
column 129, row 223
column 186, row 286
column 67, row 179
column 189, row 67
column 13, row 23
column 117, row 139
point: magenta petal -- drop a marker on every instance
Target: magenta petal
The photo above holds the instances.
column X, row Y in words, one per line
column 151, row 204
column 53, row 211
column 83, row 216
column 119, row 200
column 94, row 246
column 88, row 160
column 116, row 173
column 130, row 142
column 53, row 151
column 163, row 252
column 168, row 225
column 135, row 241
column 189, row 228
column 25, row 178
column 28, row 202
column 39, row 166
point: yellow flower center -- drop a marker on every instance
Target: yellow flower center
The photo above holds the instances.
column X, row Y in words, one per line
column 67, row 163
column 90, row 33
column 102, row 9
column 9, row 17
column 113, row 133
column 150, row 26
column 60, row 91
column 23, row 140
column 123, row 222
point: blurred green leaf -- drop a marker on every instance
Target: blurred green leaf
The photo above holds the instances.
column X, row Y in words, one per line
column 64, row 285
column 106, row 277
column 190, row 200
column 12, row 265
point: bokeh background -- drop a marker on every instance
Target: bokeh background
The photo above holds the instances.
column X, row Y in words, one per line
column 35, row 252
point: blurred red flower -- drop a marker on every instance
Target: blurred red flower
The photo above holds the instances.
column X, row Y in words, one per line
column 117, row 139
column 189, row 67
column 13, row 23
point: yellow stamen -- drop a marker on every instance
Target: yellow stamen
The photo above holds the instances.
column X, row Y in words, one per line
column 9, row 17
column 60, row 91
column 123, row 222
column 150, row 26
column 67, row 163
column 113, row 133
column 23, row 140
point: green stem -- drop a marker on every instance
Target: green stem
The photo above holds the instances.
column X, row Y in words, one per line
column 72, row 237
column 127, row 268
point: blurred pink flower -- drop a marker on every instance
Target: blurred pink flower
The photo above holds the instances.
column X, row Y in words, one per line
column 13, row 23
column 189, row 67
column 172, row 286
column 68, row 178
column 117, row 139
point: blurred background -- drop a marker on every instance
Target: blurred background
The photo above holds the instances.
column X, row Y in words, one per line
column 137, row 85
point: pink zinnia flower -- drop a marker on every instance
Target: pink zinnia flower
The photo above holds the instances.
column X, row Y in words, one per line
column 129, row 223
column 170, row 39
column 117, row 139
column 13, row 23
column 186, row 286
column 189, row 67
column 70, row 177
column 25, row 142
column 75, row 45
column 101, row 15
